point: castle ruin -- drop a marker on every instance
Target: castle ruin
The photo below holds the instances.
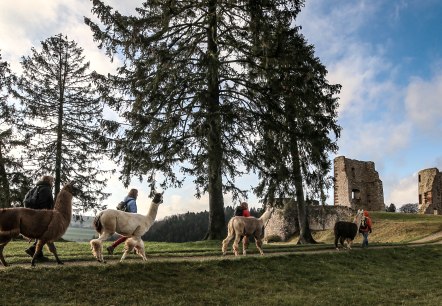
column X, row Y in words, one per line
column 429, row 188
column 357, row 185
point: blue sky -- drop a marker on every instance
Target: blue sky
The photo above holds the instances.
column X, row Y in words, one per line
column 386, row 54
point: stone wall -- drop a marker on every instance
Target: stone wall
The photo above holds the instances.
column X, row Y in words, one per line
column 430, row 188
column 284, row 221
column 357, row 185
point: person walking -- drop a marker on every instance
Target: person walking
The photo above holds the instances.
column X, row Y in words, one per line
column 243, row 211
column 131, row 200
column 45, row 200
column 365, row 228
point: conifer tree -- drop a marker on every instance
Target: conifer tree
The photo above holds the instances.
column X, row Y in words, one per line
column 298, row 127
column 185, row 90
column 61, row 114
column 13, row 183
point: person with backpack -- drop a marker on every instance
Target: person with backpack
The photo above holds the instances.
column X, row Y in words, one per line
column 42, row 198
column 131, row 207
column 365, row 228
column 243, row 211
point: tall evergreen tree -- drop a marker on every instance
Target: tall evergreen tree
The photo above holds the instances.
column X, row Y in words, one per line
column 298, row 126
column 185, row 90
column 13, row 182
column 61, row 114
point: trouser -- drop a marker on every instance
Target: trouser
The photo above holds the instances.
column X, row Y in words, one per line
column 119, row 241
column 365, row 239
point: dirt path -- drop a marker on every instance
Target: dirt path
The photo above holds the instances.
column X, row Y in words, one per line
column 435, row 238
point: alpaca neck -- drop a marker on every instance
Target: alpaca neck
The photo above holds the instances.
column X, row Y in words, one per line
column 357, row 221
column 266, row 216
column 63, row 204
column 153, row 210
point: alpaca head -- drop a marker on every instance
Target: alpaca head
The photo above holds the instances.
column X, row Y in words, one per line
column 72, row 187
column 358, row 216
column 158, row 197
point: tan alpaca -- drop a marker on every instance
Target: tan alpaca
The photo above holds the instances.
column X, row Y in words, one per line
column 246, row 226
column 131, row 225
column 44, row 225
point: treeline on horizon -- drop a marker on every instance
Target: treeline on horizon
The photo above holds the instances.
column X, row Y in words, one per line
column 190, row 226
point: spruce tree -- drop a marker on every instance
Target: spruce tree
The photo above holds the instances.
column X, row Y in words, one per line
column 13, row 182
column 61, row 114
column 298, row 127
column 185, row 90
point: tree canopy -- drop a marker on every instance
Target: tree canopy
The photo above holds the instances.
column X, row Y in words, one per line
column 60, row 117
column 201, row 85
column 13, row 182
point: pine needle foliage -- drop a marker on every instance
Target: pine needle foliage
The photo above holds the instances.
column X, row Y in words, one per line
column 13, row 182
column 60, row 118
column 185, row 90
column 297, row 126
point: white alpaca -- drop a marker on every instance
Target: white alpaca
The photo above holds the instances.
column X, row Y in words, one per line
column 131, row 225
column 246, row 226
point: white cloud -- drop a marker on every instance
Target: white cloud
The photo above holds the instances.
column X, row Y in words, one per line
column 403, row 192
column 424, row 103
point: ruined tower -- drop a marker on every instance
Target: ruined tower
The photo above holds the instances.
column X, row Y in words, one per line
column 429, row 187
column 357, row 184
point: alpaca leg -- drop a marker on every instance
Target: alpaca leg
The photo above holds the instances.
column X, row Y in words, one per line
column 139, row 248
column 336, row 242
column 2, row 246
column 124, row 255
column 97, row 246
column 342, row 240
column 97, row 249
column 128, row 247
column 236, row 243
column 245, row 245
column 53, row 250
column 226, row 244
column 258, row 243
column 38, row 248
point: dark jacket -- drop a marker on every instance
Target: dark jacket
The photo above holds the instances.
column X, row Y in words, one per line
column 45, row 200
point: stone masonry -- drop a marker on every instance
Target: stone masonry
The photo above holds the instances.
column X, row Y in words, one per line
column 429, row 188
column 357, row 185
column 283, row 223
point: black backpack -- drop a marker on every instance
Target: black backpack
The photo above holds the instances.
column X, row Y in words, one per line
column 123, row 205
column 238, row 211
column 31, row 198
column 363, row 225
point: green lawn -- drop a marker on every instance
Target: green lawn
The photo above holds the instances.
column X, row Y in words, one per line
column 402, row 275
column 390, row 272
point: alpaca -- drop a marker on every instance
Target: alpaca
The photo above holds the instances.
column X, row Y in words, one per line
column 112, row 221
column 246, row 226
column 44, row 225
column 347, row 230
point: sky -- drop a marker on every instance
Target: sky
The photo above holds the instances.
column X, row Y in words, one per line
column 386, row 54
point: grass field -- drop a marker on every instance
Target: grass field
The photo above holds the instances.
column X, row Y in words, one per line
column 388, row 273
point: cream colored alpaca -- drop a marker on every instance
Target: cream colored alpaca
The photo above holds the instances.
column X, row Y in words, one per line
column 246, row 226
column 131, row 225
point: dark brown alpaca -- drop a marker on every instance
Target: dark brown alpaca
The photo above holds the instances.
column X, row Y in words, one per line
column 44, row 225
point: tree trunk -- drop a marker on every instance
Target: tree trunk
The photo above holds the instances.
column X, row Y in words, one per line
column 305, row 235
column 214, row 148
column 5, row 199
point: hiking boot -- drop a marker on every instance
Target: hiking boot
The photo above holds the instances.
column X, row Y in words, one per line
column 30, row 251
column 110, row 250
